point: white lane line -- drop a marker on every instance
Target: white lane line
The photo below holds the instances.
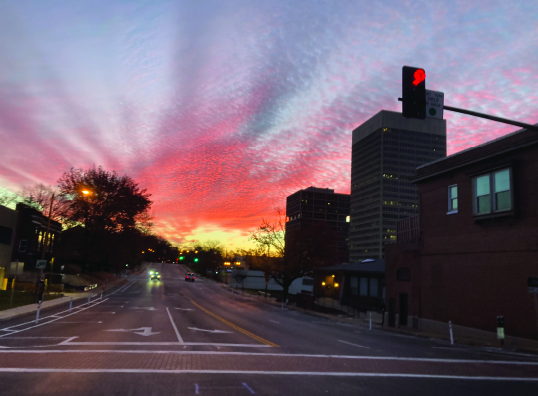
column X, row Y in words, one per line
column 351, row 357
column 26, row 338
column 92, row 313
column 54, row 320
column 68, row 342
column 174, row 326
column 249, row 388
column 274, row 321
column 357, row 345
column 299, row 373
column 100, row 321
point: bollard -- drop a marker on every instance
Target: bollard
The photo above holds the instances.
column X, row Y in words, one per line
column 71, row 304
column 500, row 329
column 100, row 298
column 38, row 309
column 89, row 298
column 12, row 291
column 451, row 333
column 370, row 321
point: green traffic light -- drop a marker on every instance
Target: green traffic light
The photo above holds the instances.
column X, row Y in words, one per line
column 195, row 260
column 181, row 258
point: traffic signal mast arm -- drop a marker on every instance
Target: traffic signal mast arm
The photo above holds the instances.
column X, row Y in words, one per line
column 490, row 117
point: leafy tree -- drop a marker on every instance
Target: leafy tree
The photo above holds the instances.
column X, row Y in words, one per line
column 287, row 256
column 104, row 201
column 115, row 214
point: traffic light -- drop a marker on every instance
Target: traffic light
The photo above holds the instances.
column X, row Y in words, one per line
column 181, row 257
column 196, row 260
column 413, row 92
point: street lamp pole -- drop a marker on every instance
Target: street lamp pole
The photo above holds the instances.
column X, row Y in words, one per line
column 46, row 240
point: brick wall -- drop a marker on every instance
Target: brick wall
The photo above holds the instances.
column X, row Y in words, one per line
column 469, row 270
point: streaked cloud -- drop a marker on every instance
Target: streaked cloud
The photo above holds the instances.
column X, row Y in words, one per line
column 223, row 108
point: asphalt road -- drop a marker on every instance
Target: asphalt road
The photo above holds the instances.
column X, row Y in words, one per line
column 172, row 337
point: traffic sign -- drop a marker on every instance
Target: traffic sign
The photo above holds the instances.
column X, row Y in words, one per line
column 41, row 264
column 434, row 104
column 532, row 283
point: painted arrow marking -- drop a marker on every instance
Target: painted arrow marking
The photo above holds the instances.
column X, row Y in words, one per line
column 143, row 331
column 146, row 308
column 209, row 331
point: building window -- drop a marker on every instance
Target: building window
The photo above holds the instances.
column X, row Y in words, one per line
column 22, row 245
column 373, row 287
column 363, row 290
column 5, row 235
column 354, row 285
column 403, row 274
column 453, row 199
column 493, row 192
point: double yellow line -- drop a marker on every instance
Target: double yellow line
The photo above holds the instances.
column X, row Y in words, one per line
column 248, row 333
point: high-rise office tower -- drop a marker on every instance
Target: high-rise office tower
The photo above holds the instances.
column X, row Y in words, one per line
column 313, row 207
column 386, row 151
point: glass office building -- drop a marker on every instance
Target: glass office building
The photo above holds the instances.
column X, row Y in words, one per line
column 386, row 151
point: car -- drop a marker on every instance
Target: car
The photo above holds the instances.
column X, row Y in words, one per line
column 155, row 276
column 190, row 277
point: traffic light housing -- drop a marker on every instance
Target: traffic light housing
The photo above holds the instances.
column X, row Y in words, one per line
column 413, row 92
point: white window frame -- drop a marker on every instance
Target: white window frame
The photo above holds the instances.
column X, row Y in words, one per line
column 451, row 209
column 492, row 193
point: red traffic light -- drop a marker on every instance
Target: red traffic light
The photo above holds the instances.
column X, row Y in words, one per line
column 419, row 76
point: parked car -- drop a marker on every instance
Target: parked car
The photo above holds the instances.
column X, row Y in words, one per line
column 190, row 277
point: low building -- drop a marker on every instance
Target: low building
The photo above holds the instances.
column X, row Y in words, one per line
column 30, row 236
column 8, row 226
column 357, row 285
column 469, row 254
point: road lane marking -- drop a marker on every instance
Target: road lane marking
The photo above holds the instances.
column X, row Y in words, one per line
column 174, row 326
column 249, row 388
column 90, row 343
column 145, row 331
column 185, row 309
column 248, row 333
column 100, row 321
column 210, row 331
column 54, row 320
column 253, row 372
column 357, row 345
column 290, row 355
column 274, row 321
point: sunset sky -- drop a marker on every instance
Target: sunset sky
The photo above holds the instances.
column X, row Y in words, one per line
column 221, row 109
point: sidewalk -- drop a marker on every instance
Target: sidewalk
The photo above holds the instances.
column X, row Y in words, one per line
column 26, row 309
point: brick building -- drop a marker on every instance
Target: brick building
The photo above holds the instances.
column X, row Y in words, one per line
column 468, row 258
column 311, row 207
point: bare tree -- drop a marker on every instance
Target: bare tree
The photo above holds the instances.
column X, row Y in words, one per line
column 39, row 196
column 289, row 256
